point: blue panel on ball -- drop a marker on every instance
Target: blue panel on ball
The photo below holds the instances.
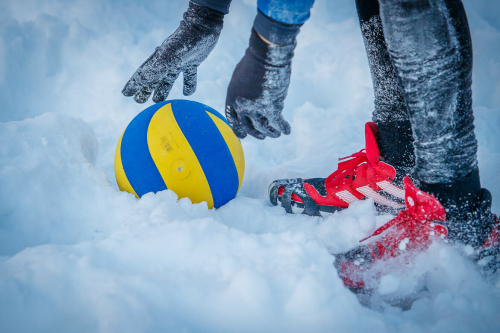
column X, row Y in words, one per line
column 138, row 164
column 217, row 114
column 210, row 148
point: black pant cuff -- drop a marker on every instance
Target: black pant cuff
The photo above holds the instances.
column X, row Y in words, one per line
column 274, row 31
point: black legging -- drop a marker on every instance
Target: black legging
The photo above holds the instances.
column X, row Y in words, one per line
column 420, row 57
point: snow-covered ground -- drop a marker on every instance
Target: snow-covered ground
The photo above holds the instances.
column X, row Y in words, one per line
column 76, row 255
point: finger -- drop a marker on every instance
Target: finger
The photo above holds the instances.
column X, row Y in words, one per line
column 239, row 132
column 189, row 81
column 250, row 129
column 284, row 126
column 163, row 89
column 131, row 88
column 161, row 92
column 232, row 119
column 269, row 131
column 256, row 134
column 143, row 95
column 261, row 123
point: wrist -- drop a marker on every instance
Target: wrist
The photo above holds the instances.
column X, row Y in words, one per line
column 270, row 54
column 265, row 40
column 221, row 6
column 274, row 32
column 204, row 16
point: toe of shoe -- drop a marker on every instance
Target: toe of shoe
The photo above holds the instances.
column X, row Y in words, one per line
column 273, row 192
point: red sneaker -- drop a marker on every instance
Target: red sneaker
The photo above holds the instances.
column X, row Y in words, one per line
column 411, row 232
column 363, row 175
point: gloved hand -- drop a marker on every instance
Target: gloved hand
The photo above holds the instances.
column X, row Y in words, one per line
column 183, row 51
column 257, row 91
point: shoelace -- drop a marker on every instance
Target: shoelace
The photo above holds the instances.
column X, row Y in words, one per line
column 347, row 170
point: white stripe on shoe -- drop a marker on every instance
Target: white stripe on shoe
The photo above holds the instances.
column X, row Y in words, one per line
column 394, row 190
column 346, row 196
column 370, row 193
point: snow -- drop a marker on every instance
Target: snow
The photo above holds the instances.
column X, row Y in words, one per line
column 404, row 242
column 76, row 255
column 388, row 284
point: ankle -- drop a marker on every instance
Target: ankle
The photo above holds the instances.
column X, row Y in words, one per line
column 458, row 198
column 395, row 142
column 468, row 209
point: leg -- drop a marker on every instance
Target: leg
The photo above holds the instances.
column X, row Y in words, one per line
column 430, row 44
column 391, row 115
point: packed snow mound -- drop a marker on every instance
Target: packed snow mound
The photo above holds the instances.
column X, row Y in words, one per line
column 51, row 191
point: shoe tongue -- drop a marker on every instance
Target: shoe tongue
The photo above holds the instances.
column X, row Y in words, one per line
column 372, row 151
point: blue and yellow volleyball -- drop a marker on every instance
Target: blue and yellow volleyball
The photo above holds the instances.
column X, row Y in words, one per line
column 184, row 146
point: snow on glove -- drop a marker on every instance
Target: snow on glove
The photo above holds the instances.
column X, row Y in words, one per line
column 183, row 51
column 257, row 91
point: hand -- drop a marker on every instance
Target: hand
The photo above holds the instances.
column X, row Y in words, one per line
column 258, row 88
column 183, row 51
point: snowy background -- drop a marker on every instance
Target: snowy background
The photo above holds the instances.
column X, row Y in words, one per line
column 76, row 255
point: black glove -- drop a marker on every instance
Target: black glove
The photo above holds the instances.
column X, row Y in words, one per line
column 183, row 51
column 258, row 88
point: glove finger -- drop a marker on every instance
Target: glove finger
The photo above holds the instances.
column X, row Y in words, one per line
column 284, row 126
column 161, row 92
column 250, row 129
column 131, row 88
column 232, row 119
column 256, row 134
column 189, row 81
column 261, row 123
column 239, row 132
column 143, row 95
column 163, row 89
column 268, row 130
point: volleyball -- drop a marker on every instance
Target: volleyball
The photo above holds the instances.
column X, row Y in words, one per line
column 184, row 146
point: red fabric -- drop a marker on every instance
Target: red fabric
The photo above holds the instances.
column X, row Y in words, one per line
column 493, row 239
column 416, row 226
column 413, row 229
column 422, row 206
column 353, row 276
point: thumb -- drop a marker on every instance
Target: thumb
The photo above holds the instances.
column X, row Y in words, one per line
column 232, row 119
column 283, row 125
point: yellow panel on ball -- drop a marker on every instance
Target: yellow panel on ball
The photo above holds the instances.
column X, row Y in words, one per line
column 175, row 159
column 234, row 145
column 121, row 178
